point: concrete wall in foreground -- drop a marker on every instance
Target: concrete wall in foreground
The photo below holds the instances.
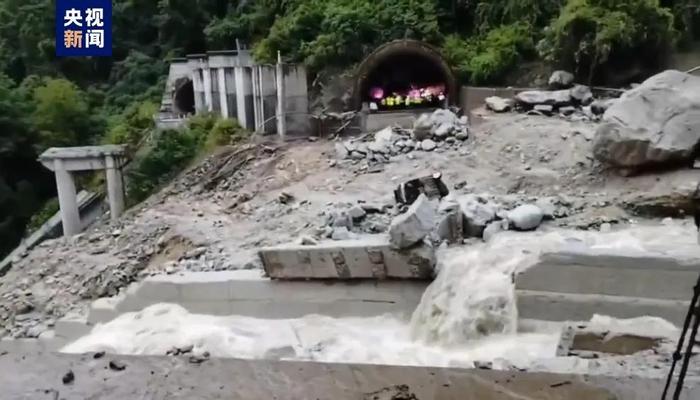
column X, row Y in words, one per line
column 248, row 293
column 39, row 376
column 575, row 284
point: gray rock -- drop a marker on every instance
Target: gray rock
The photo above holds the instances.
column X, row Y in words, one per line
column 443, row 116
column 341, row 218
column 464, row 120
column 656, row 123
column 356, row 155
column 499, row 104
column 526, row 217
column 582, row 94
column 598, row 107
column 414, row 225
column 443, row 131
column 548, row 207
column 545, row 109
column 357, row 213
column 341, row 233
column 561, row 79
column 553, row 98
column 451, row 220
column 493, row 228
column 379, row 147
column 341, row 152
column 477, row 214
column 307, row 241
column 386, row 135
column 422, row 127
column 568, row 110
column 463, row 134
column 428, row 145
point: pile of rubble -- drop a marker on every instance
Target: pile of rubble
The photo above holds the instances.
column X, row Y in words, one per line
column 567, row 99
column 454, row 219
column 441, row 129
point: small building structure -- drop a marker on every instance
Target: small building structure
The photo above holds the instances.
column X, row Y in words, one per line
column 63, row 161
column 230, row 84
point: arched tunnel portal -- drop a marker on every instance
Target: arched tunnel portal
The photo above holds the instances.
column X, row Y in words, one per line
column 183, row 97
column 404, row 74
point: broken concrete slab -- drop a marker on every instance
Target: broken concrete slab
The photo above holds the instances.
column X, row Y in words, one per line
column 371, row 257
column 415, row 224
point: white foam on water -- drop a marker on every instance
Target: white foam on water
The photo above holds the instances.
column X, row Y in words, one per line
column 467, row 314
column 377, row 340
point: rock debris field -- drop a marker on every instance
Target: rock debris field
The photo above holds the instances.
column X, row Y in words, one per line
column 509, row 171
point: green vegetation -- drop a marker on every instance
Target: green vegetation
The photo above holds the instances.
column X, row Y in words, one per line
column 172, row 150
column 49, row 101
column 590, row 35
column 489, row 57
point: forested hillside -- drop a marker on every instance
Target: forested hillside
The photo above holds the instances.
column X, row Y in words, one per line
column 47, row 101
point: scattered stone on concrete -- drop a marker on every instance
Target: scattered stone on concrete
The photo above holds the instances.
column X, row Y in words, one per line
column 307, row 241
column 341, row 233
column 285, row 198
column 199, row 358
column 116, row 365
column 414, row 225
column 427, row 145
column 477, row 213
column 499, row 104
column 656, row 123
column 68, row 378
column 561, row 79
column 526, row 217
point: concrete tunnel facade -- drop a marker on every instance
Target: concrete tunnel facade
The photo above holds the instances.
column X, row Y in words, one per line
column 404, row 62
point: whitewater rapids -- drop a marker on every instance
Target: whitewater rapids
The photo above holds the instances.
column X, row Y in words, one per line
column 467, row 314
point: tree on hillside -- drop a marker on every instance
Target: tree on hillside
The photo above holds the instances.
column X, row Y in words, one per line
column 593, row 37
column 61, row 115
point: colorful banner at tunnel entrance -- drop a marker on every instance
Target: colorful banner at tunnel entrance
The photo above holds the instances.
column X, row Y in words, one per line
column 83, row 28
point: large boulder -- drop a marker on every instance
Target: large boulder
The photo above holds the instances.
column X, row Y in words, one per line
column 477, row 213
column 498, row 104
column 656, row 123
column 526, row 217
column 415, row 224
column 422, row 127
column 561, row 79
column 556, row 98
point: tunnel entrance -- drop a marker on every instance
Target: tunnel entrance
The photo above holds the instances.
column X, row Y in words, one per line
column 404, row 75
column 183, row 98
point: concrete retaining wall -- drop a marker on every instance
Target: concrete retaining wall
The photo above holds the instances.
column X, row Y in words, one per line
column 576, row 284
column 248, row 293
